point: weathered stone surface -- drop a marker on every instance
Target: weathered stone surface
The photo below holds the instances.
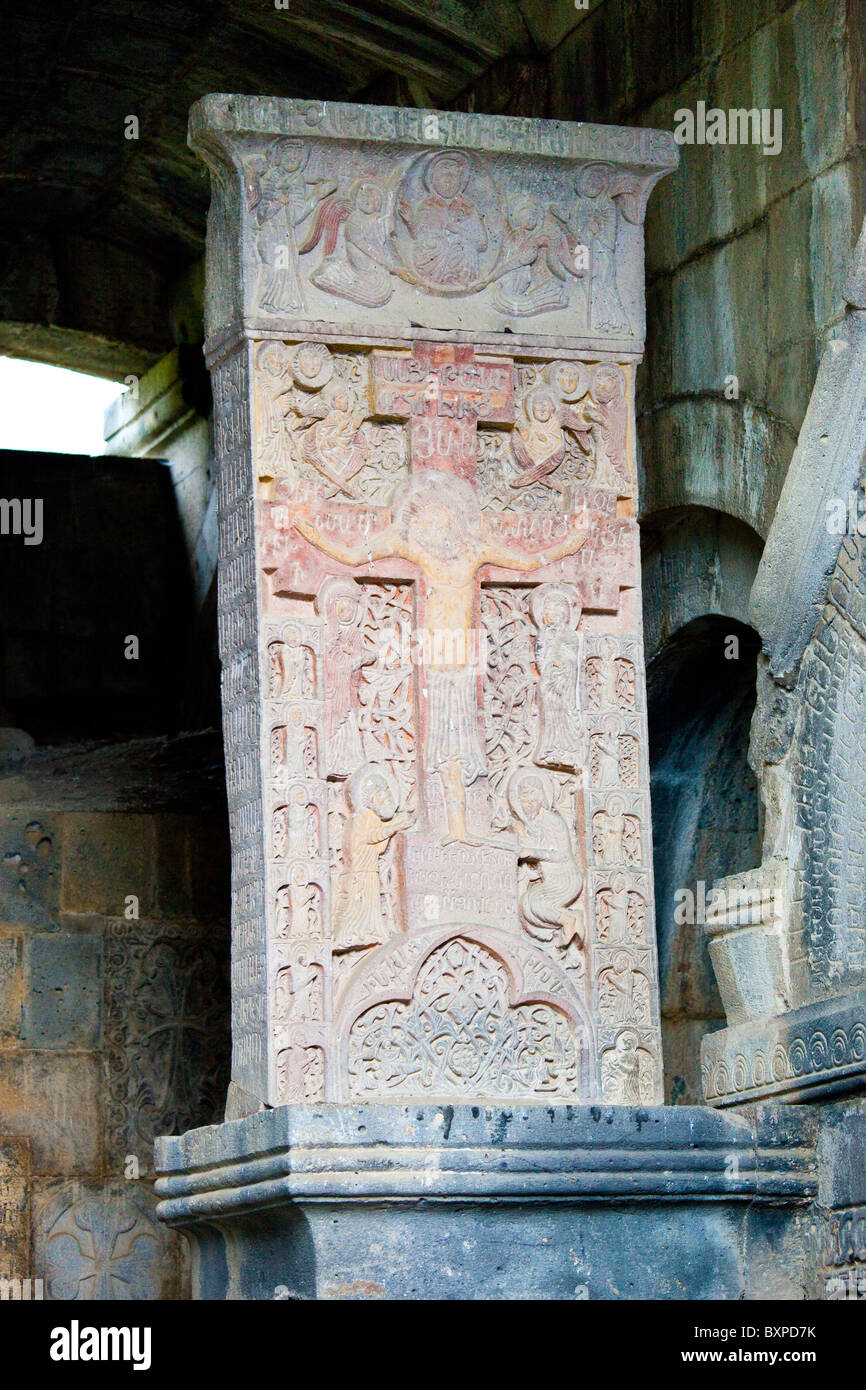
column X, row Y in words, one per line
column 816, row 1050
column 11, row 986
column 344, row 1188
column 166, row 1029
column 14, row 1209
column 391, row 258
column 792, row 969
column 64, row 988
column 29, row 870
column 56, row 1102
column 107, row 858
column 429, row 601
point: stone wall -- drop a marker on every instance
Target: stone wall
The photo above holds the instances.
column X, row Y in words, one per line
column 746, row 257
column 113, row 1003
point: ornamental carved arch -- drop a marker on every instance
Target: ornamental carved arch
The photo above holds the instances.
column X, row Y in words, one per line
column 464, row 1013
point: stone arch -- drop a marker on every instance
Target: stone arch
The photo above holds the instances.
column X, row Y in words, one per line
column 696, row 562
column 528, row 986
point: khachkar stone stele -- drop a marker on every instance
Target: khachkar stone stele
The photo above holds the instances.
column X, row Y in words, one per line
column 423, row 331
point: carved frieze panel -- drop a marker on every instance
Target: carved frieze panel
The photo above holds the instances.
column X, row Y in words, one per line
column 392, row 218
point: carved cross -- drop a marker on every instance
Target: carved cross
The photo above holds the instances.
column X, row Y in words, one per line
column 445, row 392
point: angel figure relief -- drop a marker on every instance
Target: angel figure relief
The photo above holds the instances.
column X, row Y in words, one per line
column 280, row 197
column 538, row 443
column 354, row 233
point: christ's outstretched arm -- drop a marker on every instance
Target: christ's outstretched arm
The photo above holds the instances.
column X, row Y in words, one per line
column 497, row 554
column 378, row 547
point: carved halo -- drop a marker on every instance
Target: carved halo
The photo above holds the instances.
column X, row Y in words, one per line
column 608, row 383
column 594, row 179
column 519, row 778
column 568, row 379
column 538, row 393
column 332, row 590
column 444, row 489
column 356, row 786
column 542, row 595
column 312, row 365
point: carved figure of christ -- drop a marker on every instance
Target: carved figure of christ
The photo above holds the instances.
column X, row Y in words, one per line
column 438, row 527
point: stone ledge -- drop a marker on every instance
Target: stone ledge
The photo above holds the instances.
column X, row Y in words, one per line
column 452, row 1153
column 816, row 1050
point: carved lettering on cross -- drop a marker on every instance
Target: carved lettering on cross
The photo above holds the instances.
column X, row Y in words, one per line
column 445, row 392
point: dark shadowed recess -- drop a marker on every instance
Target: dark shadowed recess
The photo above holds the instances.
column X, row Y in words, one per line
column 110, row 567
column 704, row 794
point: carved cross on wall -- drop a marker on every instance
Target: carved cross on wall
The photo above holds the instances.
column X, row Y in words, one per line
column 445, row 392
column 435, row 536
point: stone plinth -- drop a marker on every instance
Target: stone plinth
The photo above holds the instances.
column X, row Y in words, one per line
column 472, row 1202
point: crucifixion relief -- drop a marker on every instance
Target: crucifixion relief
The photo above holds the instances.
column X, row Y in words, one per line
column 430, row 611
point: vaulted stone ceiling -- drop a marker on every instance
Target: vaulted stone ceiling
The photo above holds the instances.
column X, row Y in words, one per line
column 95, row 228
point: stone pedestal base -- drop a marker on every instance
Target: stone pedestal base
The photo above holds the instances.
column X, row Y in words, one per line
column 467, row 1202
column 816, row 1050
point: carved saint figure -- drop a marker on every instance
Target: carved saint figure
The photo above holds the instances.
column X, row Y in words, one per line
column 615, row 835
column 438, row 525
column 609, row 390
column 275, row 390
column 359, row 268
column 340, row 602
column 544, row 840
column 620, row 912
column 538, row 443
column 610, row 680
column 289, row 746
column 293, row 827
column 556, row 612
column 287, row 666
column 623, row 992
column 448, row 232
column 369, row 827
column 281, row 197
column 605, row 756
column 596, row 219
column 299, row 992
column 297, row 910
column 624, row 1080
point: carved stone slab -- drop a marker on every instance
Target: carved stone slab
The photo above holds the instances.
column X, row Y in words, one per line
column 430, row 622
column 392, row 219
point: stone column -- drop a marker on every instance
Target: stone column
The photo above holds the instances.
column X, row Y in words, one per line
column 788, row 939
column 423, row 331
